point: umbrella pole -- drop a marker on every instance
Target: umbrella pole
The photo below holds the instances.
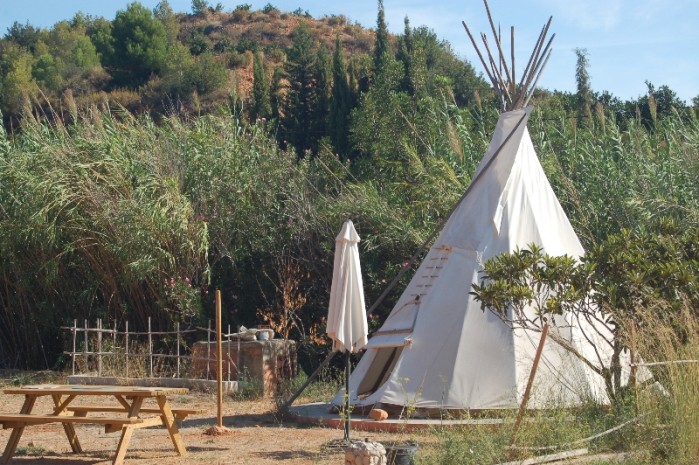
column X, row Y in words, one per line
column 347, row 397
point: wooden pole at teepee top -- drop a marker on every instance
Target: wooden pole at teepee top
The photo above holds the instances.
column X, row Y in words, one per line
column 219, row 362
column 512, row 55
column 503, row 77
column 496, row 36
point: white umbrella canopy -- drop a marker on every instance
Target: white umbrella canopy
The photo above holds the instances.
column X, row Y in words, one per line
column 347, row 324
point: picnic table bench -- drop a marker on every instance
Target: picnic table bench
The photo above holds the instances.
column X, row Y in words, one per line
column 125, row 417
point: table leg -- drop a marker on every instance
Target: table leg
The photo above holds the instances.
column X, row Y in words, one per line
column 169, row 422
column 17, row 431
column 127, row 432
column 69, row 429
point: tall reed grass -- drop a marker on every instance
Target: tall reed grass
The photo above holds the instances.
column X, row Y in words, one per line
column 671, row 346
column 118, row 216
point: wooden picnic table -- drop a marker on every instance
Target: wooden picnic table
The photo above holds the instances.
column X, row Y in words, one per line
column 127, row 415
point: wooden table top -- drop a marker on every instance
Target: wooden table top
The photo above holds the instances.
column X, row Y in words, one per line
column 96, row 390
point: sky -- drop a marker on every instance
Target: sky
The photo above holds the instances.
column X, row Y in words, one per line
column 628, row 42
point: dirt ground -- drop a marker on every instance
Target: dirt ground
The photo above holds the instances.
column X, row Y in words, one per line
column 259, row 436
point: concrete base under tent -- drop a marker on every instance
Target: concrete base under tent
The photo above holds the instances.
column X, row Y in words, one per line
column 325, row 414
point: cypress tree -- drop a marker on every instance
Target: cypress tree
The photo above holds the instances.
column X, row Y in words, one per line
column 582, row 78
column 261, row 104
column 324, row 90
column 381, row 46
column 340, row 104
column 353, row 84
column 298, row 118
column 405, row 56
column 276, row 97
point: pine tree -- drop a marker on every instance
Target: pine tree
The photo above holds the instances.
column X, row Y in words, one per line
column 164, row 13
column 340, row 104
column 261, row 104
column 140, row 46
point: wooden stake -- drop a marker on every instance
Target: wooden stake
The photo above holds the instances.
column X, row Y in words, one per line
column 177, row 329
column 527, row 391
column 632, row 356
column 150, row 349
column 75, row 335
column 126, row 346
column 99, row 346
column 219, row 361
column 219, row 429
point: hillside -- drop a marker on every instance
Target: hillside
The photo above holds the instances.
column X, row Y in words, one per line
column 197, row 61
column 246, row 32
column 273, row 29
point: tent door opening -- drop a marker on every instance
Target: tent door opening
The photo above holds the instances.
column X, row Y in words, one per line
column 380, row 369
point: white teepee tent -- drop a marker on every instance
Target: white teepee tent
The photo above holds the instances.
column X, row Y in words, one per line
column 438, row 349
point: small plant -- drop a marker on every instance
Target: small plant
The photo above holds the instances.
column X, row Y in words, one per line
column 249, row 388
column 32, row 451
column 182, row 300
column 283, row 311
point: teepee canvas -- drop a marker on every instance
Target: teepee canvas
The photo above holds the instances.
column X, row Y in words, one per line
column 437, row 348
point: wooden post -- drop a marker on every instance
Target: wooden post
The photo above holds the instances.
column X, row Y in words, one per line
column 99, row 346
column 126, row 353
column 178, row 349
column 527, row 391
column 208, row 350
column 228, row 360
column 150, row 350
column 75, row 336
column 219, row 361
column 114, row 351
column 86, row 348
column 632, row 356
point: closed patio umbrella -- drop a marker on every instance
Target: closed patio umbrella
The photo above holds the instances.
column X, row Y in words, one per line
column 347, row 323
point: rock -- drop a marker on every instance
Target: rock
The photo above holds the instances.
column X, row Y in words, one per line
column 378, row 414
column 365, row 453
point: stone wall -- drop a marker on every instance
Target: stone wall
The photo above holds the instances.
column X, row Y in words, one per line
column 265, row 363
